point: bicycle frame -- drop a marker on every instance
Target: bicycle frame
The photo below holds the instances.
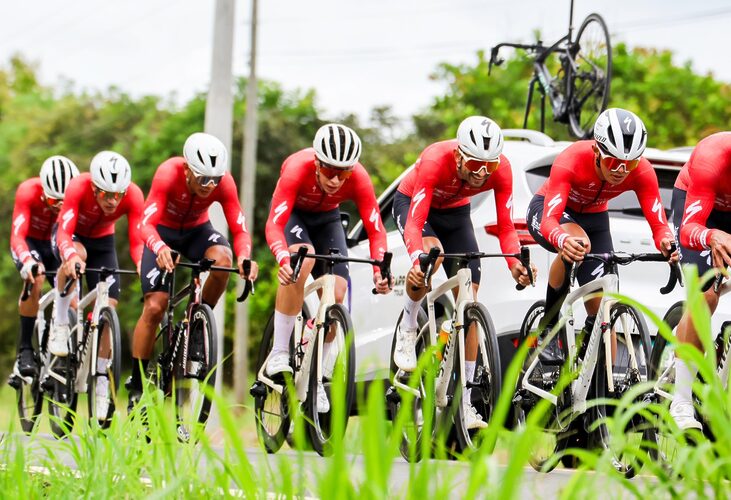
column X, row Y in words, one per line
column 43, row 303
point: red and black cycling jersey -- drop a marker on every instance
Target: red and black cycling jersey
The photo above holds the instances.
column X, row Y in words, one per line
column 434, row 183
column 32, row 218
column 298, row 189
column 574, row 182
column 683, row 179
column 82, row 215
column 171, row 204
column 709, row 170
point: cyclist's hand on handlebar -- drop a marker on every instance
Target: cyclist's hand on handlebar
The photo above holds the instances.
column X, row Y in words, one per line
column 285, row 274
column 69, row 267
column 253, row 274
column 165, row 260
column 520, row 273
column 665, row 246
column 720, row 243
column 381, row 283
column 26, row 272
column 415, row 277
column 574, row 249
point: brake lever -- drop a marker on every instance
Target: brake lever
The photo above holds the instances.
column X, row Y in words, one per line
column 297, row 259
column 248, row 284
column 69, row 282
column 426, row 264
column 385, row 269
column 525, row 261
column 175, row 255
column 29, row 284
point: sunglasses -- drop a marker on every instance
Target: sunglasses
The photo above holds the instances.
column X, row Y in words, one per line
column 207, row 180
column 476, row 166
column 109, row 196
column 330, row 172
column 616, row 165
column 53, row 202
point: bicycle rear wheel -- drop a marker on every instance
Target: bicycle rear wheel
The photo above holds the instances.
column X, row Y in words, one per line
column 625, row 321
column 487, row 381
column 28, row 394
column 591, row 76
column 109, row 347
column 338, row 379
column 62, row 397
column 194, row 378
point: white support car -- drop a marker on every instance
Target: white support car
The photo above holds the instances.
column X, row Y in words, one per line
column 531, row 155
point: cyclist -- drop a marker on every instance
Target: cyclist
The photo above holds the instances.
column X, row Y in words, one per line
column 175, row 217
column 705, row 238
column 37, row 203
column 84, row 235
column 432, row 209
column 568, row 214
column 305, row 211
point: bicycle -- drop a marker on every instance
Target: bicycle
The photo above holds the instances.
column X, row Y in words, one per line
column 599, row 366
column 450, row 384
column 575, row 74
column 271, row 398
column 662, row 371
column 185, row 368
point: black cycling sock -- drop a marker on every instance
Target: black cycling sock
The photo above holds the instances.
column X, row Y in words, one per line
column 137, row 374
column 26, row 332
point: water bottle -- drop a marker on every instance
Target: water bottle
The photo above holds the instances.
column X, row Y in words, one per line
column 444, row 331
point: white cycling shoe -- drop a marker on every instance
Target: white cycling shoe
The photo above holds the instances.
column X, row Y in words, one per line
column 58, row 340
column 404, row 353
column 278, row 363
column 323, row 404
column 684, row 415
column 472, row 419
column 102, row 397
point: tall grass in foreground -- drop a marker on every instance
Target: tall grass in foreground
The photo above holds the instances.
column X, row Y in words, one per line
column 119, row 462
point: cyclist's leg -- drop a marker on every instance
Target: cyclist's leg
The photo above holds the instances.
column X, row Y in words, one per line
column 60, row 329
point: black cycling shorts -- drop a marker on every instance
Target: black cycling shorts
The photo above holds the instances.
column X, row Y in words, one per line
column 596, row 226
column 192, row 244
column 451, row 226
column 716, row 220
column 41, row 251
column 100, row 252
column 322, row 230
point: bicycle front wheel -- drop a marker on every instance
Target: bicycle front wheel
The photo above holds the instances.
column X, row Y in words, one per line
column 484, row 388
column 337, row 379
column 195, row 375
column 590, row 78
column 28, row 394
column 62, row 397
column 632, row 336
column 103, row 385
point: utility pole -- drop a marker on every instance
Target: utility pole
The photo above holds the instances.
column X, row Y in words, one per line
column 246, row 191
column 219, row 122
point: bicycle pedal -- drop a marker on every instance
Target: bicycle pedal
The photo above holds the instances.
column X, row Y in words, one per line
column 15, row 382
column 258, row 389
column 393, row 396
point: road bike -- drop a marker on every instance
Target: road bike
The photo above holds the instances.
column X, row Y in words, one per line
column 435, row 405
column 273, row 408
column 185, row 369
column 608, row 356
column 574, row 73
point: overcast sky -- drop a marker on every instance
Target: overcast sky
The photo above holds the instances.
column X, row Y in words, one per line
column 356, row 55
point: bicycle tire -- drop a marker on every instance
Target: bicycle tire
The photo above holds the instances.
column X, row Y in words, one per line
column 29, row 397
column 324, row 426
column 591, row 76
column 555, row 438
column 412, row 439
column 62, row 398
column 192, row 402
column 623, row 319
column 488, row 379
column 271, row 412
column 107, row 317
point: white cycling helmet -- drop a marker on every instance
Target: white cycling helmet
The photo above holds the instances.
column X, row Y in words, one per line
column 337, row 145
column 110, row 172
column 56, row 173
column 481, row 138
column 621, row 134
column 205, row 154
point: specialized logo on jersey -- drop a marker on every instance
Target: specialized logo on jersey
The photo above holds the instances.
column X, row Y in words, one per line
column 149, row 211
column 297, row 231
column 67, row 218
column 398, row 224
column 418, row 198
column 509, row 205
column 241, row 221
column 279, row 210
column 19, row 221
column 555, row 201
column 374, row 219
column 628, row 124
column 214, row 237
column 692, row 209
column 152, row 276
column 657, row 207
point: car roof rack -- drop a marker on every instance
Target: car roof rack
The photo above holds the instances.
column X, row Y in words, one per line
column 532, row 136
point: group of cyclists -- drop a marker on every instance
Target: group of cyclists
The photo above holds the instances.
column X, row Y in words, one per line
column 65, row 220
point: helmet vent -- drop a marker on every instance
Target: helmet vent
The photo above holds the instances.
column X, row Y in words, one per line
column 200, row 157
column 213, row 160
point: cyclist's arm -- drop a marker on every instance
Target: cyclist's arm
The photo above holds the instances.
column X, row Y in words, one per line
column 503, row 188
column 648, row 194
column 229, row 199
column 559, row 186
column 67, row 219
column 154, row 205
column 283, row 199
column 135, row 201
column 365, row 199
column 21, row 223
column 419, row 210
column 699, row 202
